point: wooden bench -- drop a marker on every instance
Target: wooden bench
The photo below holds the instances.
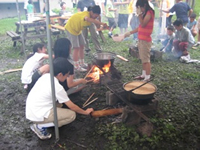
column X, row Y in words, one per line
column 15, row 37
column 59, row 27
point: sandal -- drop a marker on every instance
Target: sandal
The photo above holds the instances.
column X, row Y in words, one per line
column 139, row 78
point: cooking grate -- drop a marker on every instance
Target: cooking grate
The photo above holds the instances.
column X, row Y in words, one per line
column 116, row 86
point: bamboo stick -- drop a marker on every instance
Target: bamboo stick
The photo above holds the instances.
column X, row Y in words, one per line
column 90, row 102
column 10, row 71
column 89, row 72
column 88, row 99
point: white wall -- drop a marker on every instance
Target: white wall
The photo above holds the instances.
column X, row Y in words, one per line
column 10, row 10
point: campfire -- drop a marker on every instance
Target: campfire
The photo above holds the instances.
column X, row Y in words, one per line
column 95, row 72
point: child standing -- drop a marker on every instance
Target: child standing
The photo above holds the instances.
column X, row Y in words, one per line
column 110, row 14
column 33, row 68
column 30, row 9
column 123, row 15
column 146, row 18
column 74, row 27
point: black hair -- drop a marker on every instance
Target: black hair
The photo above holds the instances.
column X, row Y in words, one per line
column 62, row 65
column 178, row 22
column 62, row 48
column 95, row 9
column 61, row 4
column 30, row 1
column 35, row 49
column 145, row 4
column 170, row 27
column 193, row 16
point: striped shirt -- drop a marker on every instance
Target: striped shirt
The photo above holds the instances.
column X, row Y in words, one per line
column 144, row 33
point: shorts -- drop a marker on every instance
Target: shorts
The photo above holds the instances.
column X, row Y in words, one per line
column 123, row 20
column 76, row 40
column 112, row 23
column 144, row 50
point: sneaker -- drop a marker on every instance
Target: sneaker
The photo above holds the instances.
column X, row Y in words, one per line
column 84, row 65
column 139, row 78
column 98, row 50
column 41, row 133
column 197, row 44
column 87, row 51
column 80, row 69
column 110, row 34
column 146, row 80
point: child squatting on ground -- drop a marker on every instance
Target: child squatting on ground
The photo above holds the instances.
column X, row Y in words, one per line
column 183, row 39
column 33, row 68
column 62, row 48
column 39, row 103
column 192, row 24
column 168, row 42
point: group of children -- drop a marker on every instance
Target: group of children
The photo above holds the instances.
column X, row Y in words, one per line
column 183, row 39
column 36, row 78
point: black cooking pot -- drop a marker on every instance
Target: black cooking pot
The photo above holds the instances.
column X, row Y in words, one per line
column 103, row 58
column 140, row 92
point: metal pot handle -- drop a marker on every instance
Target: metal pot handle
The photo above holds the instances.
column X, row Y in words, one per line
column 142, row 84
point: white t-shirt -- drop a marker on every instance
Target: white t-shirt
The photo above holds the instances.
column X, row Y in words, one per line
column 39, row 100
column 25, row 4
column 30, row 66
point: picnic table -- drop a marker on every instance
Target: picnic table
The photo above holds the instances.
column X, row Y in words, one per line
column 62, row 19
column 30, row 30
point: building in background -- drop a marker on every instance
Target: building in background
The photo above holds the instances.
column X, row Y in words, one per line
column 8, row 8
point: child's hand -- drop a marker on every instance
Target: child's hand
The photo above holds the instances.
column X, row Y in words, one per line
column 83, row 81
column 89, row 110
column 127, row 34
column 105, row 26
column 88, row 81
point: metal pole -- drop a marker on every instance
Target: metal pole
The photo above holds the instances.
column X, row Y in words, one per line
column 22, row 35
column 48, row 25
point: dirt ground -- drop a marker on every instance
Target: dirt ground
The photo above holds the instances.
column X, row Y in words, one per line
column 178, row 92
column 15, row 131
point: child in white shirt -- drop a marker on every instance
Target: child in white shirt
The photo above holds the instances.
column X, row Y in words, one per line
column 33, row 67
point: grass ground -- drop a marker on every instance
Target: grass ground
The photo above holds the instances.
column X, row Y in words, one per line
column 176, row 125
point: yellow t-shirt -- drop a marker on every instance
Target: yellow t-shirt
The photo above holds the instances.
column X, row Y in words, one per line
column 77, row 23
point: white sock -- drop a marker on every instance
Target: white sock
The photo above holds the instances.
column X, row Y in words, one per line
column 143, row 73
column 147, row 77
column 46, row 125
column 76, row 64
column 81, row 61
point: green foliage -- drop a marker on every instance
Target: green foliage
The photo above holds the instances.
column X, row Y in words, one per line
column 197, row 9
column 176, row 125
column 7, row 24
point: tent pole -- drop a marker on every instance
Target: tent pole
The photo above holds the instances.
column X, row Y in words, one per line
column 22, row 35
column 48, row 26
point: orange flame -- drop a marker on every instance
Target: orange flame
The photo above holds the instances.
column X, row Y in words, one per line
column 96, row 72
